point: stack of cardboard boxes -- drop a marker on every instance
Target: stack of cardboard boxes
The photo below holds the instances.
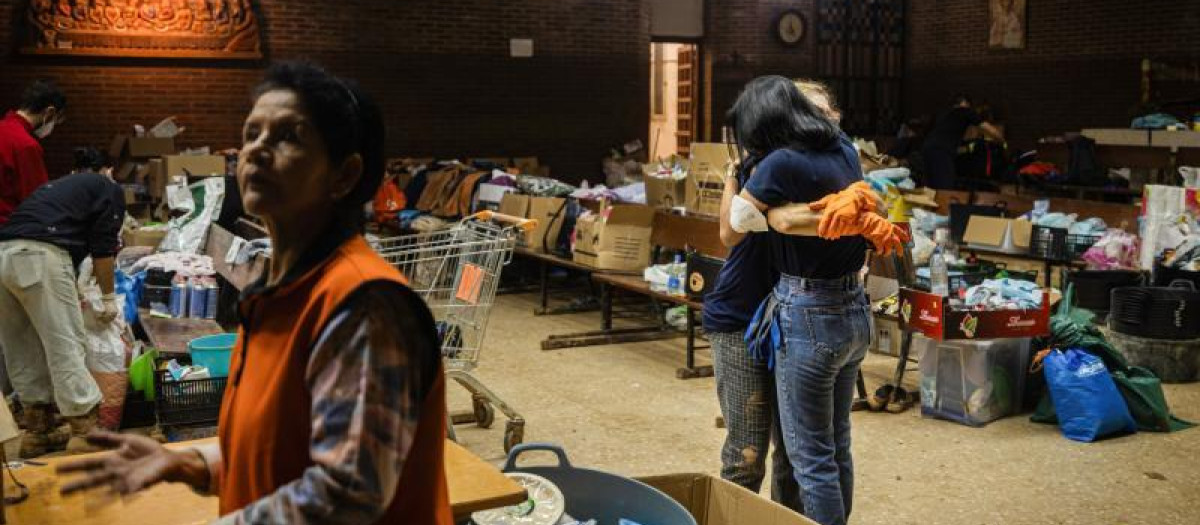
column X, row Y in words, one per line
column 699, row 192
column 151, row 163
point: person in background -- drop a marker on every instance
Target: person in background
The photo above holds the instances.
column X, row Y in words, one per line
column 941, row 145
column 817, row 308
column 41, row 246
column 22, row 166
column 745, row 385
column 335, row 407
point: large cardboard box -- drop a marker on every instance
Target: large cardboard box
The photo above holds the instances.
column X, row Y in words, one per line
column 619, row 242
column 195, row 165
column 144, row 237
column 128, row 147
column 1010, row 235
column 489, row 196
column 156, row 179
column 548, row 212
column 666, row 192
column 515, row 205
column 714, row 501
column 710, row 163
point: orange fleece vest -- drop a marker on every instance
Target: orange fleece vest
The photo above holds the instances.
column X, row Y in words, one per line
column 265, row 424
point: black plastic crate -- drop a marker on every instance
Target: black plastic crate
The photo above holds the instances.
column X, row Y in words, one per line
column 1078, row 243
column 960, row 281
column 1001, row 270
column 1049, row 243
column 1165, row 275
column 188, row 402
column 137, row 412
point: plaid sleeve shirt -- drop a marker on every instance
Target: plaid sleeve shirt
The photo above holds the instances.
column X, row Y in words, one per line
column 368, row 375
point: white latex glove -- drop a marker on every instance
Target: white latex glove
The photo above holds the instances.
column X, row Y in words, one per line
column 109, row 311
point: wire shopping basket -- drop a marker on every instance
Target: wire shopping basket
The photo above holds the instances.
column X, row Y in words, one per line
column 457, row 272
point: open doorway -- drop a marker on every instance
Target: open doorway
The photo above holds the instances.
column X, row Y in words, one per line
column 674, row 94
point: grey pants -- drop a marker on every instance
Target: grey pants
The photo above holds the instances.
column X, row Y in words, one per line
column 41, row 328
column 746, row 391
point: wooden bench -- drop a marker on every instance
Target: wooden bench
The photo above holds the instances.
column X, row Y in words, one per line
column 671, row 232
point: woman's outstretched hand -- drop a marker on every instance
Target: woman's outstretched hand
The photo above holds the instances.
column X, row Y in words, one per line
column 134, row 463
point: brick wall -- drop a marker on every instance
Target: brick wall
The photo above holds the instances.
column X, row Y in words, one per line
column 1080, row 68
column 439, row 68
column 740, row 35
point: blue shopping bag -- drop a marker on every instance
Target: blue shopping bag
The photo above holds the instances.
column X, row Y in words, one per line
column 1085, row 397
column 131, row 287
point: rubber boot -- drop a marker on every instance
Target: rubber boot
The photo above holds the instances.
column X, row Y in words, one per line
column 42, row 433
column 81, row 426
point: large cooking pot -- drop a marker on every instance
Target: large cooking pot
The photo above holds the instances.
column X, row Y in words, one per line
column 607, row 498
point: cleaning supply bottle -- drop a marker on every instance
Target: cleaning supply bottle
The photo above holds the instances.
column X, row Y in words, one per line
column 939, row 272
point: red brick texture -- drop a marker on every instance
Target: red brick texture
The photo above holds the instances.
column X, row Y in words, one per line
column 440, row 69
column 1081, row 66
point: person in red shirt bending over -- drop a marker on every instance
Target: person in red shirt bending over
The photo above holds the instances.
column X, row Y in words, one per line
column 22, row 168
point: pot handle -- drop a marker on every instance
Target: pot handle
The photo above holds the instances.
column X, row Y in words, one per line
column 511, row 463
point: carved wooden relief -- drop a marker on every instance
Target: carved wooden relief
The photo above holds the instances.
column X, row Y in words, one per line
column 143, row 28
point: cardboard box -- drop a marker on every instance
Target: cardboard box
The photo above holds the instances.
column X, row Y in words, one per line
column 489, row 195
column 195, row 165
column 710, row 163
column 714, row 501
column 1010, row 235
column 144, row 237
column 548, row 212
column 514, row 204
column 128, row 147
column 928, row 314
column 666, row 192
column 156, row 179
column 621, row 242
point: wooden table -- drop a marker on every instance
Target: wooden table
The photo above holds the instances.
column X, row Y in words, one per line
column 545, row 261
column 608, row 335
column 173, row 335
column 474, row 485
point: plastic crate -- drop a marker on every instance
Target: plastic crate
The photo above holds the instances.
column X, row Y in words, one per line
column 1078, row 243
column 1001, row 270
column 1165, row 275
column 1049, row 243
column 189, row 402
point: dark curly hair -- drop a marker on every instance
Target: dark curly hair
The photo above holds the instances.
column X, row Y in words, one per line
column 347, row 118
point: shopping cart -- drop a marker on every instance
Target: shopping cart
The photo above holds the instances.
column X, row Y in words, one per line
column 457, row 272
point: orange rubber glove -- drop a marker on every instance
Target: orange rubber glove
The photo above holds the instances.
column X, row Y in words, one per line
column 887, row 238
column 842, row 210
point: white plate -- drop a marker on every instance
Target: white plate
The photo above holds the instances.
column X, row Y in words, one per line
column 545, row 505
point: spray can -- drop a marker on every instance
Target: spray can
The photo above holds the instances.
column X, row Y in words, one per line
column 179, row 296
column 197, row 302
column 210, row 289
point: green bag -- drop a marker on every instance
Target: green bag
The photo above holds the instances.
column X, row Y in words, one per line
column 1142, row 390
column 141, row 374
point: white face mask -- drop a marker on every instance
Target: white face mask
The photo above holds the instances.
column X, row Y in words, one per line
column 44, row 130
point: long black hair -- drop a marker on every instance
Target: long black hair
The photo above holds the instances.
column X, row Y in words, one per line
column 771, row 114
column 348, row 120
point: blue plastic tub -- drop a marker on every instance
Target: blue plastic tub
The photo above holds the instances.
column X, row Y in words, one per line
column 212, row 352
column 607, row 498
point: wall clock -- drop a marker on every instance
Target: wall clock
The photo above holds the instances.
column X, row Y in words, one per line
column 790, row 28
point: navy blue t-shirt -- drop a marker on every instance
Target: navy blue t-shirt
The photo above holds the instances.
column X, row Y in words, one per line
column 745, row 279
column 788, row 175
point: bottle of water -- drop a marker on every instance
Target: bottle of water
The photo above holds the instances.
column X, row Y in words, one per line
column 675, row 276
column 939, row 275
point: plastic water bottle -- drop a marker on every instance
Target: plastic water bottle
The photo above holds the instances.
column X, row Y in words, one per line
column 675, row 277
column 939, row 274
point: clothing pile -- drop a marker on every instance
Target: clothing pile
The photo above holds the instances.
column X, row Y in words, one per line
column 1116, row 250
column 1004, row 294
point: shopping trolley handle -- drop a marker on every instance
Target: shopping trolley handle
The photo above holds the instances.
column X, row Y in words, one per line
column 487, row 215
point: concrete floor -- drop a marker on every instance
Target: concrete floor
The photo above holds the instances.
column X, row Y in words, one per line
column 619, row 408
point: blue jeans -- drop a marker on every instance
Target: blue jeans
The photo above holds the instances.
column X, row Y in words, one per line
column 826, row 329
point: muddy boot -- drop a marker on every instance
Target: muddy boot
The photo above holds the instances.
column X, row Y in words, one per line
column 42, row 434
column 81, row 426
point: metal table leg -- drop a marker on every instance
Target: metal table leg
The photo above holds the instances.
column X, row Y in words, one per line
column 606, row 313
column 691, row 371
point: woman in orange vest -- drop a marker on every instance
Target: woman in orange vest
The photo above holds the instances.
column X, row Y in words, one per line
column 334, row 410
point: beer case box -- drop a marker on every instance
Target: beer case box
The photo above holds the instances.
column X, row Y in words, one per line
column 929, row 314
column 195, row 165
column 619, row 242
column 548, row 212
column 666, row 192
column 714, row 501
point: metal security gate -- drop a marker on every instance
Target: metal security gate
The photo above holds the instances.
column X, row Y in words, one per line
column 860, row 54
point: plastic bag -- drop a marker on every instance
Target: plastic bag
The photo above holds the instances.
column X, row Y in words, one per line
column 130, row 287
column 201, row 204
column 107, row 347
column 1085, row 397
column 1116, row 249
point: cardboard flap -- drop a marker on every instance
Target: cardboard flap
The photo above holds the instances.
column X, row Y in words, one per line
column 1022, row 232
column 987, row 231
column 710, row 160
column 631, row 215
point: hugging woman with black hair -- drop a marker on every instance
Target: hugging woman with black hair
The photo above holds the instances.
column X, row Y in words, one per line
column 335, row 407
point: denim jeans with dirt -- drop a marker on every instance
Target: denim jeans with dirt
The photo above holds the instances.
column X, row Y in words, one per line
column 826, row 329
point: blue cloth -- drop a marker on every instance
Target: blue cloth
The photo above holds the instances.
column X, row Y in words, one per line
column 745, row 279
column 789, row 175
column 826, row 331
